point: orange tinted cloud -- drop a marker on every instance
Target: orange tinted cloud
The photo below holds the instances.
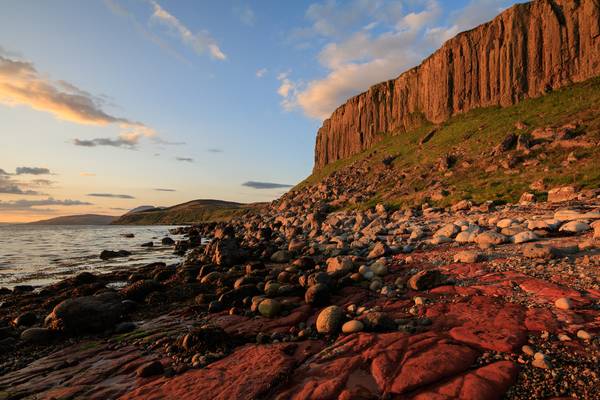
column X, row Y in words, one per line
column 21, row 84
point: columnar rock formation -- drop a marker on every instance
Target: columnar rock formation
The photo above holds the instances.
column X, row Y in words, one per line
column 523, row 53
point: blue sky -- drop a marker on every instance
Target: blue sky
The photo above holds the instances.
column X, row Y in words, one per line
column 119, row 98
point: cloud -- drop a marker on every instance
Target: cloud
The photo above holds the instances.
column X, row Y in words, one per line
column 32, row 171
column 87, row 174
column 261, row 72
column 165, row 190
column 10, row 186
column 366, row 42
column 128, row 142
column 215, row 150
column 200, row 42
column 184, row 159
column 22, row 85
column 265, row 185
column 29, row 204
column 111, row 195
column 245, row 14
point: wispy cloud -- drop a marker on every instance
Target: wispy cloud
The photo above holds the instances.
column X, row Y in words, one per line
column 245, row 14
column 366, row 42
column 32, row 171
column 261, row 72
column 164, row 190
column 215, row 150
column 184, row 159
column 10, row 186
column 22, row 85
column 130, row 142
column 200, row 42
column 30, row 204
column 111, row 195
column 265, row 185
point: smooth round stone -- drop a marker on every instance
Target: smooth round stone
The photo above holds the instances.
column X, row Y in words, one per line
column 564, row 303
column 329, row 320
column 272, row 289
column 37, row 335
column 581, row 334
column 353, row 327
column 363, row 269
column 375, row 285
column 379, row 269
column 269, row 308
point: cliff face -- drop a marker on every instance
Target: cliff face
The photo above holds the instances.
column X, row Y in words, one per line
column 524, row 52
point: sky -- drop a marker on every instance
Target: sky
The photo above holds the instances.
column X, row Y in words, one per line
column 106, row 105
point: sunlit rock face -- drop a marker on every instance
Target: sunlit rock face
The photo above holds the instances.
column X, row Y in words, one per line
column 523, row 53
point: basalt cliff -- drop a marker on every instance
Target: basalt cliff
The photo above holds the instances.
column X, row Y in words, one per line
column 525, row 52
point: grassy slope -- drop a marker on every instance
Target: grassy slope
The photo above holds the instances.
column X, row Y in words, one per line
column 188, row 213
column 476, row 132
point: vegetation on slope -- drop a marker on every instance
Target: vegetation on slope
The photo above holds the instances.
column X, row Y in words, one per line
column 470, row 137
column 196, row 211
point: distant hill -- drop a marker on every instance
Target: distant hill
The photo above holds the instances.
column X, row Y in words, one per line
column 143, row 208
column 195, row 211
column 87, row 219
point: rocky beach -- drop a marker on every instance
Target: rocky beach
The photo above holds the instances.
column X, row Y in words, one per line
column 446, row 245
column 302, row 301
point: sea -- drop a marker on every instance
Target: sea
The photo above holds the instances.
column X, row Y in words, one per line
column 40, row 255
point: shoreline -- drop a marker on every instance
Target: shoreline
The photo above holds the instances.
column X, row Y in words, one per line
column 304, row 301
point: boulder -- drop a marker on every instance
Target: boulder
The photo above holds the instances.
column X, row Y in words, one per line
column 109, row 254
column 490, row 238
column 575, row 227
column 560, row 194
column 329, row 320
column 425, row 280
column 339, row 265
column 88, row 314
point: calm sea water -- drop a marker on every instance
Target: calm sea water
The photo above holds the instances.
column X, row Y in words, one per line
column 39, row 255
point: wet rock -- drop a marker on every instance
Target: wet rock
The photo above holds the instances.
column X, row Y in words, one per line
column 329, row 320
column 26, row 319
column 425, row 280
column 167, row 241
column 225, row 252
column 152, row 368
column 20, row 289
column 147, row 244
column 125, row 327
column 38, row 335
column 317, row 295
column 138, row 291
column 89, row 314
column 109, row 254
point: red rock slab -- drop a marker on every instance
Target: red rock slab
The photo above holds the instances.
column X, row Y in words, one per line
column 551, row 292
column 484, row 322
column 78, row 371
column 367, row 365
column 248, row 373
column 245, row 326
column 540, row 319
column 486, row 383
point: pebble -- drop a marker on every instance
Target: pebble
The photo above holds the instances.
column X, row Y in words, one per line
column 584, row 335
column 352, row 327
column 564, row 303
column 528, row 350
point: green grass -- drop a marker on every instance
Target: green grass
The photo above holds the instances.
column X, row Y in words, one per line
column 471, row 135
